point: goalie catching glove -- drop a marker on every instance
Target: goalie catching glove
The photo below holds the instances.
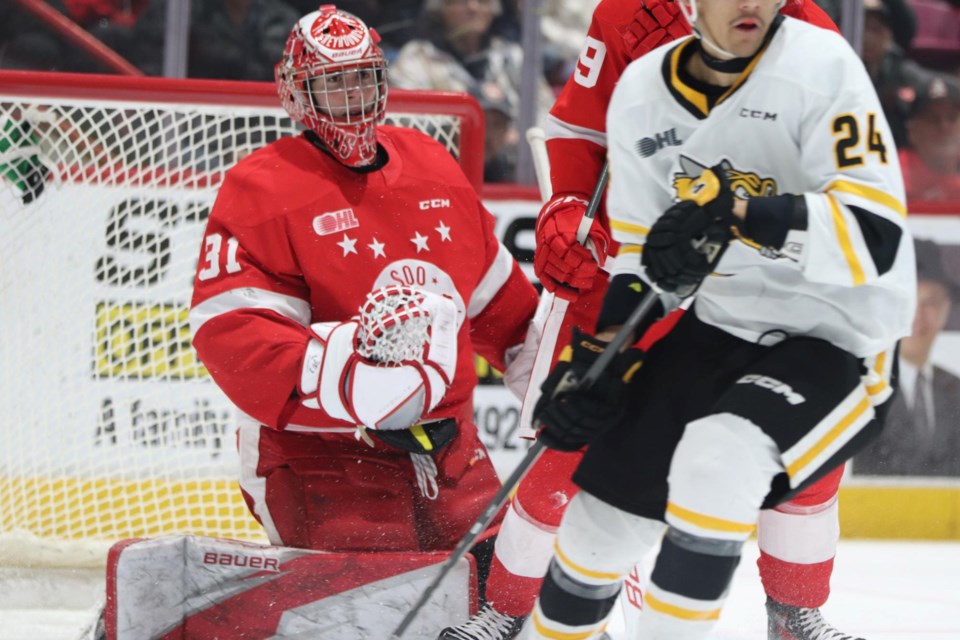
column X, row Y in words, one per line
column 388, row 368
column 686, row 242
column 564, row 266
column 572, row 416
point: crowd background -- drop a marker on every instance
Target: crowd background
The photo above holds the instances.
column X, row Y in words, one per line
column 910, row 47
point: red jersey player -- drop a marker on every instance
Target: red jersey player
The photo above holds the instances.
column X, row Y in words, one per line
column 797, row 539
column 340, row 450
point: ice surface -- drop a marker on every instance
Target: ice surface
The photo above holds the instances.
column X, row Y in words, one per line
column 881, row 590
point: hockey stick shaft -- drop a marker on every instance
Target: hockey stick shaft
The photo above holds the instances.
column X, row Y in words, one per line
column 503, row 494
column 584, row 229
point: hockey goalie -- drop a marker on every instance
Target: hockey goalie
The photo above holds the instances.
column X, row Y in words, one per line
column 345, row 280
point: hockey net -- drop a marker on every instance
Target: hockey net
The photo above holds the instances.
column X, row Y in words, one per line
column 110, row 427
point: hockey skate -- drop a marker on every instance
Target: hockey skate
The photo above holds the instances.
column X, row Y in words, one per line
column 488, row 624
column 797, row 623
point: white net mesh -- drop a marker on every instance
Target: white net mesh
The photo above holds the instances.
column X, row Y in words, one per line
column 111, row 427
column 393, row 326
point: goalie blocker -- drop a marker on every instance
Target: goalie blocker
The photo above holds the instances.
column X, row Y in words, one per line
column 193, row 587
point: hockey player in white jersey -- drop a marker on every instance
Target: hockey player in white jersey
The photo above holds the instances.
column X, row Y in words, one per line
column 751, row 160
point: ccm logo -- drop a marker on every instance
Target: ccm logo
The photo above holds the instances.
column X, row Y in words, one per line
column 237, row 560
column 434, row 204
column 780, row 388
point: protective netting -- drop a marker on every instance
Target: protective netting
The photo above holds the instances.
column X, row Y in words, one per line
column 111, row 427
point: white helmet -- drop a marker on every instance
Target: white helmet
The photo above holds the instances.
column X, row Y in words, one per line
column 333, row 80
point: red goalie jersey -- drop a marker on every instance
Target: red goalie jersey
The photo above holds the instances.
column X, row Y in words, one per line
column 297, row 238
column 619, row 33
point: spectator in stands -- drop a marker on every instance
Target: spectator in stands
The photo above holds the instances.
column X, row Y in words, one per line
column 500, row 143
column 229, row 39
column 883, row 54
column 832, row 8
column 931, row 166
column 563, row 24
column 456, row 51
column 110, row 21
column 26, row 43
column 922, row 436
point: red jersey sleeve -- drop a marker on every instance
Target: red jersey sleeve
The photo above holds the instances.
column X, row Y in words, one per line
column 250, row 306
column 620, row 32
column 503, row 303
column 808, row 11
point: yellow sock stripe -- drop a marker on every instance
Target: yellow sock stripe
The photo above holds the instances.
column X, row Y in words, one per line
column 843, row 236
column 709, row 522
column 560, row 635
column 627, row 249
column 680, row 612
column 829, row 437
column 869, row 193
column 582, row 570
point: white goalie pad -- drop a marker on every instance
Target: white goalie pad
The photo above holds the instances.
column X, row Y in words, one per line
column 192, row 587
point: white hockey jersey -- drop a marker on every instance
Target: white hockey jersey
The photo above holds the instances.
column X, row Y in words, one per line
column 803, row 118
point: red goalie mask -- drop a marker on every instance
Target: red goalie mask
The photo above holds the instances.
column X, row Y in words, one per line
column 332, row 80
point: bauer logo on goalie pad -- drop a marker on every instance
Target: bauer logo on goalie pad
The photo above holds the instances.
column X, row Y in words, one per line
column 241, row 560
column 334, row 221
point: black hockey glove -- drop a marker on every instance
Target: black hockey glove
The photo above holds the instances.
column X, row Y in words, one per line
column 686, row 242
column 572, row 417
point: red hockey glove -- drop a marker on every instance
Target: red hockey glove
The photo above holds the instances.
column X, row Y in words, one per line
column 563, row 265
column 656, row 22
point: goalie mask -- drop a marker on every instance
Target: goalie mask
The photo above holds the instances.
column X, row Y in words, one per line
column 332, row 80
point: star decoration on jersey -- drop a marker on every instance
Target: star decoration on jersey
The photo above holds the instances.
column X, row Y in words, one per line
column 377, row 247
column 444, row 232
column 348, row 245
column 420, row 241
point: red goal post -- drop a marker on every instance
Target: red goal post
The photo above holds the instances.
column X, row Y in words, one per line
column 110, row 426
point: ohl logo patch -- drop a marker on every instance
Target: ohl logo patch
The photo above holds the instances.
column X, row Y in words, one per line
column 646, row 147
column 334, row 221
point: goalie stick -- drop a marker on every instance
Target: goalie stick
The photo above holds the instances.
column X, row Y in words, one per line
column 552, row 309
